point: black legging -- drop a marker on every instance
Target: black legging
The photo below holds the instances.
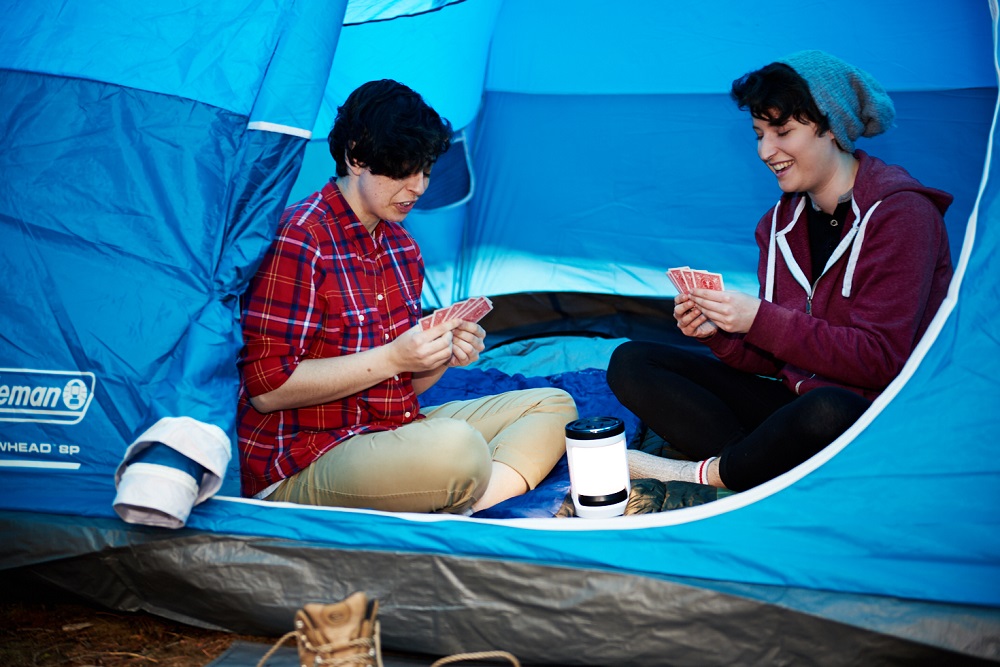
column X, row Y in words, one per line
column 756, row 426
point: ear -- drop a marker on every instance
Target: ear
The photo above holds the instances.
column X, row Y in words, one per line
column 353, row 166
column 837, row 144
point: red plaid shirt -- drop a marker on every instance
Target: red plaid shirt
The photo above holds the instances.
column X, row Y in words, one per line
column 326, row 288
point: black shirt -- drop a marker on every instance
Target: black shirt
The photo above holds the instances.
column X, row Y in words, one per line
column 825, row 232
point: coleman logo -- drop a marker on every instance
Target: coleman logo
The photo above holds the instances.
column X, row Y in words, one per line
column 50, row 397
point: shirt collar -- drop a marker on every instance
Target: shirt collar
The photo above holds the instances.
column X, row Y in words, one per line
column 353, row 229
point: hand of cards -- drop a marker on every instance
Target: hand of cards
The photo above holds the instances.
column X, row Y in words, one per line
column 470, row 310
column 686, row 279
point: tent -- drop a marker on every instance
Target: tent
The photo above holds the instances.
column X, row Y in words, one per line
column 148, row 151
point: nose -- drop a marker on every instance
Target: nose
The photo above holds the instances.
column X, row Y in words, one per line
column 765, row 148
column 417, row 183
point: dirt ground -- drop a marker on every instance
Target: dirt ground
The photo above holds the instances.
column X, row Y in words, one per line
column 42, row 627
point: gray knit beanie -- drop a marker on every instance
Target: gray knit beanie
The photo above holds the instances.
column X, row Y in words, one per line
column 854, row 102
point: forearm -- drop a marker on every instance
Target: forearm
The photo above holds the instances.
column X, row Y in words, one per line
column 424, row 381
column 733, row 350
column 317, row 381
column 858, row 351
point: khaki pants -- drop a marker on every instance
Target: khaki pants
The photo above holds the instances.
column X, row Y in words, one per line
column 443, row 462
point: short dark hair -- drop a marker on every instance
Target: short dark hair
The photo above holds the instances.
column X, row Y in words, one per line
column 775, row 93
column 388, row 128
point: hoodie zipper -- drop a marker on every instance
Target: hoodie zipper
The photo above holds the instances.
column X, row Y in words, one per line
column 809, row 295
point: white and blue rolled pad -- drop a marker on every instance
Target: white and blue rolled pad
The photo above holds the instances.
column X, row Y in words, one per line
column 177, row 463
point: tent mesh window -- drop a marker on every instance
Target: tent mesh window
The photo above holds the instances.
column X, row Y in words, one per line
column 451, row 182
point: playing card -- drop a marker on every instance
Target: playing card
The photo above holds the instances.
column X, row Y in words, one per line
column 707, row 280
column 461, row 308
column 688, row 274
column 470, row 310
column 479, row 309
column 681, row 279
column 441, row 315
column 686, row 279
column 678, row 281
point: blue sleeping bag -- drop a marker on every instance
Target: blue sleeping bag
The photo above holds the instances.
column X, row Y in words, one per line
column 589, row 388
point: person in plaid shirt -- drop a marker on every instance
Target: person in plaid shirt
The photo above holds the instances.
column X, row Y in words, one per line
column 334, row 361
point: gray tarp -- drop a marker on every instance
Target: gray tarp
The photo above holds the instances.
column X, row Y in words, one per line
column 440, row 604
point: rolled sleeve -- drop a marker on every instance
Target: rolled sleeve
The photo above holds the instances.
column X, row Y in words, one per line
column 265, row 370
column 280, row 312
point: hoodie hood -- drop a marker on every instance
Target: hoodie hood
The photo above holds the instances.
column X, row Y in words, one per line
column 877, row 180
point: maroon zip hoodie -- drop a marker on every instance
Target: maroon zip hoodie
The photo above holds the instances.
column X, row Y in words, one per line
column 856, row 325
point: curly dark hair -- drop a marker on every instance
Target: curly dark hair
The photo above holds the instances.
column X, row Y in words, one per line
column 775, row 93
column 387, row 127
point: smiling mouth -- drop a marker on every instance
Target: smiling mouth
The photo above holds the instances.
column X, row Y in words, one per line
column 779, row 167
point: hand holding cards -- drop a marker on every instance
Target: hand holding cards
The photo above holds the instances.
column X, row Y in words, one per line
column 686, row 279
column 470, row 310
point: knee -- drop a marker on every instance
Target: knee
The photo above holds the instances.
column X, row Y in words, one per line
column 622, row 364
column 832, row 410
column 545, row 400
column 461, row 452
column 560, row 401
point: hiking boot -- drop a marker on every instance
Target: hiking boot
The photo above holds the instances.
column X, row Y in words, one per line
column 339, row 634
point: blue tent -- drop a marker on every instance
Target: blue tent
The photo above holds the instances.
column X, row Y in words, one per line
column 148, row 152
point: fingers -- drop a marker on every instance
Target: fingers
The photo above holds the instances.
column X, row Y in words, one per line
column 455, row 342
column 438, row 350
column 421, row 350
column 467, row 344
column 440, row 329
column 686, row 311
column 470, row 327
column 732, row 311
column 703, row 296
column 471, row 333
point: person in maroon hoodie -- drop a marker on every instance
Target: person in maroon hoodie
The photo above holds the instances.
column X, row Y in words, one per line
column 854, row 263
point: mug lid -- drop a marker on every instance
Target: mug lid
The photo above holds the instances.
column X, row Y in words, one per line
column 594, row 428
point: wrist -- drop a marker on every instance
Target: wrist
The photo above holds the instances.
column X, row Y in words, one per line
column 386, row 357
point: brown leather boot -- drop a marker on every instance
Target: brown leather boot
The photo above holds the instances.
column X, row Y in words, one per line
column 343, row 633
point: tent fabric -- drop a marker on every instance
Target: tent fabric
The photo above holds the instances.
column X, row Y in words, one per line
column 652, row 47
column 215, row 53
column 132, row 217
column 142, row 177
column 610, row 206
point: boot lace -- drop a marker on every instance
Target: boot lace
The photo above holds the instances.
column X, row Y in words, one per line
column 481, row 655
column 371, row 658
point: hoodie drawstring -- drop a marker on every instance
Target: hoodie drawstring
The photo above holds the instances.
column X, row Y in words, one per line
column 854, row 239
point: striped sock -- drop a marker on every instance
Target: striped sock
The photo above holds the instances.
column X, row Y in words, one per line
column 642, row 465
column 703, row 469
